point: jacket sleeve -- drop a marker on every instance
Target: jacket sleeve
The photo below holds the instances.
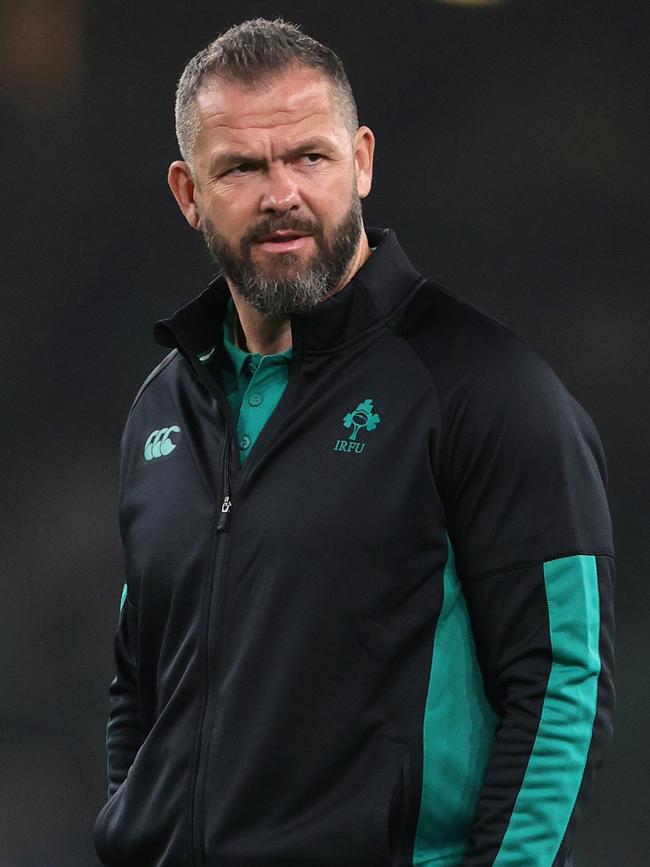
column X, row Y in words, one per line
column 124, row 732
column 529, row 524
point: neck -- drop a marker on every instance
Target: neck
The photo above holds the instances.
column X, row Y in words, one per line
column 255, row 332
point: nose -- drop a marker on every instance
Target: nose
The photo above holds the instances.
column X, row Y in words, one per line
column 281, row 194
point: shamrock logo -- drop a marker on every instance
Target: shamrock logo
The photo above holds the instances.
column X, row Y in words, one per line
column 362, row 417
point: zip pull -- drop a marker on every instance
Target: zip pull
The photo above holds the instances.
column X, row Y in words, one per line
column 226, row 506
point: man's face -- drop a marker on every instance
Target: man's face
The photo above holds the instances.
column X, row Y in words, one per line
column 278, row 180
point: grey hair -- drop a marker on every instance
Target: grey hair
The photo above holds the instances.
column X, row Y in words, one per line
column 251, row 53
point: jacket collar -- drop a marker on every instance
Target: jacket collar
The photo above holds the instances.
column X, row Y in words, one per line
column 372, row 295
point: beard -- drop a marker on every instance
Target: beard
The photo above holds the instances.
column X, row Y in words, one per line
column 294, row 287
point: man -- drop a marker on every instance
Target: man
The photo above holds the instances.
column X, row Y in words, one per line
column 368, row 612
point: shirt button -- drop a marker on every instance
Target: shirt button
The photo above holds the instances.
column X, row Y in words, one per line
column 252, row 366
column 244, row 442
column 255, row 399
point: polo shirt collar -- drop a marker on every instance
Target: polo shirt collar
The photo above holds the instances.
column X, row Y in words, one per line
column 241, row 357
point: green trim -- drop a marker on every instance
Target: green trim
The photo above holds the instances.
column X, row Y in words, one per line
column 557, row 762
column 108, row 723
column 457, row 735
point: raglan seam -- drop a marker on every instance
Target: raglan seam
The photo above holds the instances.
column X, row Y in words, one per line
column 433, row 379
column 164, row 364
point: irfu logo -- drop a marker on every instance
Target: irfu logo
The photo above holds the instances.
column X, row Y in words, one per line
column 362, row 418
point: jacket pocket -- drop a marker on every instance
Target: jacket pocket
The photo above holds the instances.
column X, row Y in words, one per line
column 99, row 832
column 391, row 809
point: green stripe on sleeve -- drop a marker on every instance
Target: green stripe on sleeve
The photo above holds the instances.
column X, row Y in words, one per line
column 557, row 762
column 123, row 597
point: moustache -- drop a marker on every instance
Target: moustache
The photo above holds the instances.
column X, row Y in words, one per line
column 274, row 225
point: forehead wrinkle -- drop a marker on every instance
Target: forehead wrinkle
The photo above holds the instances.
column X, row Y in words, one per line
column 265, row 124
column 272, row 140
column 271, row 125
column 264, row 149
column 262, row 118
column 315, row 99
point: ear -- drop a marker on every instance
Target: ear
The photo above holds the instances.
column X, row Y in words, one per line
column 181, row 183
column 364, row 151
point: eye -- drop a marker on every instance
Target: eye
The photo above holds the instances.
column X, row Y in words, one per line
column 311, row 159
column 241, row 169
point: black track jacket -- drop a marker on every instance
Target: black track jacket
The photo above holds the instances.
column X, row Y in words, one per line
column 387, row 639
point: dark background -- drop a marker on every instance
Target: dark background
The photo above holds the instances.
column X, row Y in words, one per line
column 512, row 162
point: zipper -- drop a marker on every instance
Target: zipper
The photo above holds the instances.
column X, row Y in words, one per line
column 209, row 648
column 226, row 504
column 212, row 625
column 210, row 652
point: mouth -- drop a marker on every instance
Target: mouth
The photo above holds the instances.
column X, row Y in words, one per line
column 283, row 241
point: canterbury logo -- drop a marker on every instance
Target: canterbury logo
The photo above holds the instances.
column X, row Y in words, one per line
column 159, row 442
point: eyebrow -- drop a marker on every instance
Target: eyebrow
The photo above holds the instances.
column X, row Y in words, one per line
column 232, row 158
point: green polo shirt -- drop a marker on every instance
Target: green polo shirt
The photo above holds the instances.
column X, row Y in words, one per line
column 254, row 385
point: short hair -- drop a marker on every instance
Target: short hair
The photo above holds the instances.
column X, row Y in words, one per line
column 253, row 52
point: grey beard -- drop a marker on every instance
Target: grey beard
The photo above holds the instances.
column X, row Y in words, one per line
column 278, row 298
